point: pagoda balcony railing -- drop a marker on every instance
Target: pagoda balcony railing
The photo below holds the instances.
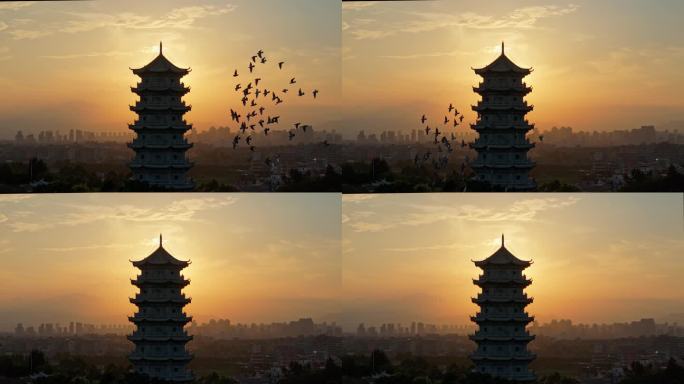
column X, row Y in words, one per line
column 161, row 86
column 523, row 279
column 504, row 87
column 138, row 143
column 520, row 316
column 150, row 278
column 505, row 105
column 161, row 355
column 500, row 334
column 138, row 333
column 503, row 163
column 503, row 355
column 161, row 297
column 495, row 296
column 161, row 316
column 161, row 163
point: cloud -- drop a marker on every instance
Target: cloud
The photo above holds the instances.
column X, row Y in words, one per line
column 520, row 211
column 88, row 54
column 357, row 6
column 14, row 5
column 14, row 198
column 521, row 18
column 356, row 198
column 178, row 18
column 179, row 210
column 87, row 247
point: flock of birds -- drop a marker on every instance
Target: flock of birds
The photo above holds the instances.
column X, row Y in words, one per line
column 443, row 141
column 258, row 101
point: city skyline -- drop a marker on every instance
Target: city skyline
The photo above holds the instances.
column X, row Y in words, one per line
column 587, row 251
column 591, row 72
column 67, row 256
column 65, row 65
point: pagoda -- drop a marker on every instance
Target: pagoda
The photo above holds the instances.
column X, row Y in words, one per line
column 159, row 336
column 160, row 145
column 501, row 336
column 502, row 144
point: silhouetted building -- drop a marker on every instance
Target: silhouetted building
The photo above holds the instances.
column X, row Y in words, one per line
column 501, row 336
column 159, row 336
column 502, row 144
column 160, row 146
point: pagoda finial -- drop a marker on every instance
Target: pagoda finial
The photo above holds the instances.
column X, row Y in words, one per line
column 502, row 47
column 502, row 239
column 160, row 47
column 160, row 239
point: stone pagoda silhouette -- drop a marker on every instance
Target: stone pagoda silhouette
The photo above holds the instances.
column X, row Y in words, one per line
column 502, row 144
column 160, row 146
column 501, row 336
column 159, row 336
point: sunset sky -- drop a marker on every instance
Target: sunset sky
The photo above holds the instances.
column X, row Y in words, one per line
column 66, row 65
column 66, row 257
column 597, row 257
column 598, row 65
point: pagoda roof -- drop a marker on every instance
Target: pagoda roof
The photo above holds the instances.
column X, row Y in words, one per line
column 502, row 64
column 160, row 64
column 160, row 257
column 502, row 257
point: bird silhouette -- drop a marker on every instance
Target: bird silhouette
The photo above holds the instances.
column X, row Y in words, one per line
column 293, row 81
column 315, row 93
column 423, row 119
column 280, row 64
column 235, row 74
column 256, row 81
column 301, row 93
column 251, row 67
column 291, row 135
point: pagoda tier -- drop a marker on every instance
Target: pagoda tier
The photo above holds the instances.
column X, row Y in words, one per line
column 502, row 144
column 160, row 146
column 502, row 336
column 159, row 336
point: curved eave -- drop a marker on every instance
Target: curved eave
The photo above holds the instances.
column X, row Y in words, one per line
column 503, row 147
column 527, row 338
column 160, row 301
column 165, row 358
column 511, row 282
column 137, row 320
column 485, row 90
column 503, row 166
column 177, row 108
column 480, row 127
column 138, row 128
column 162, row 146
column 479, row 320
column 503, row 358
column 518, row 108
column 182, row 283
column 141, row 90
column 179, row 339
column 161, row 166
column 501, row 301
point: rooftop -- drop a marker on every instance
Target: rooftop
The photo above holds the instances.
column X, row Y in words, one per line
column 502, row 257
column 502, row 64
column 160, row 64
column 160, row 257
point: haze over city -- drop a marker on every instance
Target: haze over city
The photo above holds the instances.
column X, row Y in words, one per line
column 598, row 65
column 597, row 258
column 65, row 65
column 67, row 257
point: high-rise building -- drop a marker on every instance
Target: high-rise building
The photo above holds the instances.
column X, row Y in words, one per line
column 160, row 145
column 159, row 336
column 501, row 336
column 502, row 144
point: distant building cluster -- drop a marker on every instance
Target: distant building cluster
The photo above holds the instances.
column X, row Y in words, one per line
column 647, row 134
column 71, row 329
column 73, row 136
column 224, row 329
column 223, row 137
column 565, row 329
column 414, row 329
column 391, row 137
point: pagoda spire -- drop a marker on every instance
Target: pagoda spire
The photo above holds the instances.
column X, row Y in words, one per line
column 502, row 47
column 502, row 239
column 160, row 239
column 160, row 47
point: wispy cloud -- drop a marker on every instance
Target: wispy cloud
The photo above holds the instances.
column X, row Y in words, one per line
column 520, row 211
column 418, row 22
column 88, row 54
column 14, row 5
column 14, row 198
column 178, row 211
column 178, row 18
column 88, row 247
